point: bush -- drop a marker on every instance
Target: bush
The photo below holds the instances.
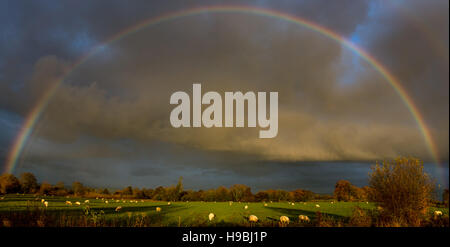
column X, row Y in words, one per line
column 403, row 190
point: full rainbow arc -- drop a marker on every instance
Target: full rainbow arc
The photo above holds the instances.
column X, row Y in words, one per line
column 34, row 115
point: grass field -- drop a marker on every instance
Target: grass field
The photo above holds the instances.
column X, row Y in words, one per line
column 143, row 213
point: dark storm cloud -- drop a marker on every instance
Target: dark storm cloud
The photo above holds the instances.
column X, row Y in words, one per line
column 111, row 114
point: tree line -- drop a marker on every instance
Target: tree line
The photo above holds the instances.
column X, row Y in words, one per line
column 28, row 184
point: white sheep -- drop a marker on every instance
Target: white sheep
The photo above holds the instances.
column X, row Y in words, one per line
column 42, row 200
column 158, row 209
column 292, row 204
column 69, row 203
column 284, row 220
column 46, row 203
column 168, row 203
column 245, row 207
column 78, row 203
column 252, row 218
column 303, row 218
column 86, row 201
column 118, row 209
column 437, row 214
column 317, row 206
column 107, row 202
column 265, row 204
column 211, row 216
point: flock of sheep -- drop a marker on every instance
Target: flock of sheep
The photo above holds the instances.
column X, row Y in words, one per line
column 284, row 220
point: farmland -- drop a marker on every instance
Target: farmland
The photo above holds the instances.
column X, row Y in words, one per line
column 28, row 210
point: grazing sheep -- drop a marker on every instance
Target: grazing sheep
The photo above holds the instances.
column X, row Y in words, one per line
column 292, row 204
column 284, row 221
column 42, row 200
column 252, row 218
column 303, row 218
column 96, row 198
column 231, row 203
column 332, row 202
column 86, row 201
column 69, row 203
column 265, row 204
column 246, row 207
column 168, row 203
column 78, row 203
column 211, row 216
column 158, row 209
column 437, row 214
column 46, row 204
column 317, row 206
column 118, row 209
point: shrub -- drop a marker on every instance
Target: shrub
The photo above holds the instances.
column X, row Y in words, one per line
column 403, row 190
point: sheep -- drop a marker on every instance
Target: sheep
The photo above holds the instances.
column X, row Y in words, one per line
column 317, row 206
column 86, row 201
column 265, row 204
column 437, row 214
column 118, row 209
column 292, row 204
column 46, row 204
column 117, row 201
column 168, row 203
column 245, row 207
column 230, row 203
column 42, row 200
column 69, row 203
column 284, row 221
column 211, row 216
column 332, row 202
column 158, row 209
column 78, row 203
column 303, row 218
column 252, row 218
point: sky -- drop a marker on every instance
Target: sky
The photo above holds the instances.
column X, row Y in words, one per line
column 107, row 124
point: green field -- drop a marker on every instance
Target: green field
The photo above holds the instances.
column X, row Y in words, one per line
column 143, row 213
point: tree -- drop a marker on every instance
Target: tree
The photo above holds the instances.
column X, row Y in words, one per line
column 240, row 192
column 402, row 189
column 128, row 191
column 28, row 182
column 222, row 194
column 9, row 184
column 45, row 188
column 78, row 188
column 179, row 189
column 302, row 195
column 344, row 191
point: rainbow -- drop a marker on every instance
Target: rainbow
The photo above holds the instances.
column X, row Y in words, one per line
column 34, row 115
